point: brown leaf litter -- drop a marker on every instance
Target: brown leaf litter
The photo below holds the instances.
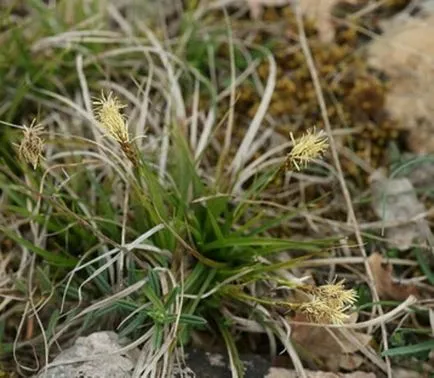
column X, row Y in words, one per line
column 386, row 285
column 329, row 347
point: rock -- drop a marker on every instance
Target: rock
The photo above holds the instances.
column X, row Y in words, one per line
column 395, row 200
column 214, row 365
column 405, row 52
column 284, row 373
column 198, row 363
column 107, row 363
column 421, row 175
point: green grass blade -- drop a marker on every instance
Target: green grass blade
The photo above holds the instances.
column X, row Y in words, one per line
column 193, row 320
column 424, row 266
column 236, row 364
column 260, row 242
column 409, row 349
column 52, row 258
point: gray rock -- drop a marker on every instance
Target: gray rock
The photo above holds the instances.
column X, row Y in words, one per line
column 93, row 356
column 96, row 356
column 203, row 364
column 395, row 200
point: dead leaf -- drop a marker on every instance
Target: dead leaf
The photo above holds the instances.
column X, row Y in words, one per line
column 328, row 345
column 405, row 52
column 385, row 284
column 351, row 362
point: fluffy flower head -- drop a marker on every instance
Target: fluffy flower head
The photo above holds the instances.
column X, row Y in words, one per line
column 328, row 303
column 108, row 112
column 310, row 146
column 32, row 145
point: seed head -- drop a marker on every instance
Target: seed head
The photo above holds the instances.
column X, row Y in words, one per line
column 32, row 145
column 328, row 303
column 108, row 111
column 336, row 294
column 318, row 310
column 310, row 146
column 110, row 118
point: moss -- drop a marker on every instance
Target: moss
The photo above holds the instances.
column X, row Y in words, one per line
column 355, row 94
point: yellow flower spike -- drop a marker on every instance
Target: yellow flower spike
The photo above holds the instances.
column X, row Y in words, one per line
column 110, row 118
column 336, row 294
column 318, row 310
column 32, row 145
column 310, row 146
column 328, row 303
column 108, row 112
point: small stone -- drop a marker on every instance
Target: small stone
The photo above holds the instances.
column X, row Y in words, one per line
column 94, row 356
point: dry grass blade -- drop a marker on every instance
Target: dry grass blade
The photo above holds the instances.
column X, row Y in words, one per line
column 253, row 128
column 350, row 209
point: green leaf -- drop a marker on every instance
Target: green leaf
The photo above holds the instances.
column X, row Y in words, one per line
column 157, row 336
column 104, row 311
column 134, row 324
column 156, row 204
column 259, row 184
column 127, row 305
column 54, row 319
column 183, row 170
column 261, row 268
column 2, row 334
column 154, row 282
column 424, row 266
column 217, row 233
column 270, row 224
column 51, row 257
column 100, row 280
column 153, row 297
column 44, row 282
column 172, row 296
column 260, row 242
column 192, row 319
column 231, row 347
column 409, row 349
column 197, row 282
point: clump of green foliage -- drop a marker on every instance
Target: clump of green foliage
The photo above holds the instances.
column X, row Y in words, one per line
column 173, row 254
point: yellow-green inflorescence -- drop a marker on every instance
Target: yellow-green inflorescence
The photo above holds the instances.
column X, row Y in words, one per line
column 328, row 303
column 307, row 148
column 108, row 113
column 32, row 145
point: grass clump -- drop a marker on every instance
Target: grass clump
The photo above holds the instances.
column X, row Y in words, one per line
column 145, row 211
column 157, row 248
column 177, row 254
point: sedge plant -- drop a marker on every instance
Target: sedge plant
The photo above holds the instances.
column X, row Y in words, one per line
column 136, row 233
column 187, row 256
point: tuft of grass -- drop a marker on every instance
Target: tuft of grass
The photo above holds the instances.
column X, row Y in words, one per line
column 158, row 252
column 141, row 218
column 153, row 245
